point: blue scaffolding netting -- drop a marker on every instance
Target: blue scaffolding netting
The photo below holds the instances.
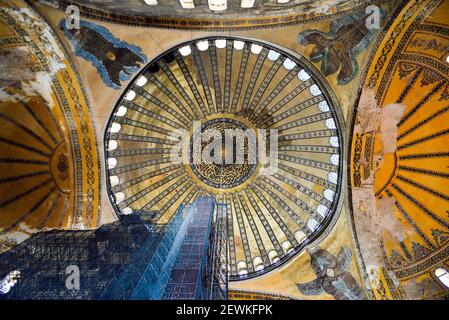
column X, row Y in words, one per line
column 134, row 258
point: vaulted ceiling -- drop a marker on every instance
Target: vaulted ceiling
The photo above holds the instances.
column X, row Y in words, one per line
column 361, row 113
column 229, row 84
column 399, row 159
column 49, row 157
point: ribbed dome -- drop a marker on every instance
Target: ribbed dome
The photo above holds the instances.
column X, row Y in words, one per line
column 230, row 83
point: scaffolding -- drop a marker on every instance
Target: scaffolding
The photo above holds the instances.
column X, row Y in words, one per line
column 134, row 258
column 218, row 266
column 188, row 277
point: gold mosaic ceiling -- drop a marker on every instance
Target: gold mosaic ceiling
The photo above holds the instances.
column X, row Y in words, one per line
column 399, row 181
column 49, row 170
column 399, row 161
column 231, row 82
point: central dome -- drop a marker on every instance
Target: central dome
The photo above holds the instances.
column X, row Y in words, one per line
column 225, row 174
column 272, row 102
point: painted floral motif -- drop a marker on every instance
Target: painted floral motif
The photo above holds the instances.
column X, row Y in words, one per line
column 63, row 166
column 420, row 251
column 440, row 237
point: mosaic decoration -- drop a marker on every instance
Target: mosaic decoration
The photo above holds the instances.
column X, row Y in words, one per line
column 168, row 14
column 49, row 162
column 224, row 175
column 115, row 60
column 399, row 163
column 256, row 295
column 231, row 83
column 333, row 276
column 338, row 49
